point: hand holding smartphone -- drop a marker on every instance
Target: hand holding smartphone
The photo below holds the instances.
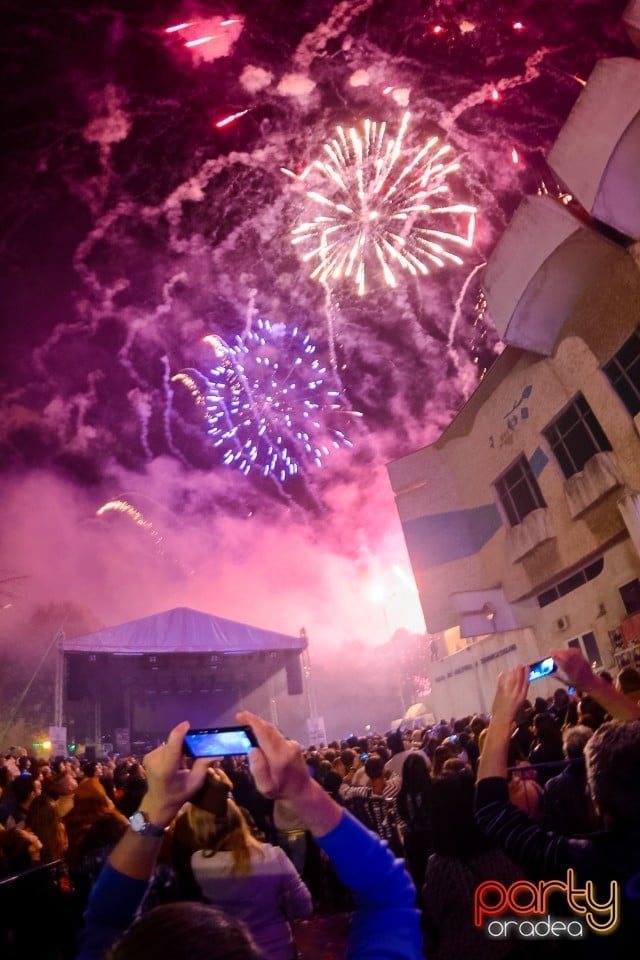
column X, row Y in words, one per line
column 542, row 668
column 219, row 741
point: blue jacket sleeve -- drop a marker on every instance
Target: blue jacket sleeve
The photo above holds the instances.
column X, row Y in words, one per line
column 113, row 904
column 385, row 925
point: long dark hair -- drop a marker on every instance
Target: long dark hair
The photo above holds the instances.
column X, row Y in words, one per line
column 414, row 798
column 546, row 730
column 455, row 831
column 43, row 819
column 415, row 774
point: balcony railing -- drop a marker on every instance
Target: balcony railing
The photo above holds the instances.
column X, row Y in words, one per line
column 529, row 534
column 584, row 489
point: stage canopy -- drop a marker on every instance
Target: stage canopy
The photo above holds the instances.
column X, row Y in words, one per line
column 182, row 631
column 146, row 675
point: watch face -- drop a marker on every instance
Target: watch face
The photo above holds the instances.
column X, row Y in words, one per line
column 140, row 825
column 137, row 821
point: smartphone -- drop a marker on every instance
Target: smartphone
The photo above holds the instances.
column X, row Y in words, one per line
column 364, row 756
column 542, row 668
column 219, row 742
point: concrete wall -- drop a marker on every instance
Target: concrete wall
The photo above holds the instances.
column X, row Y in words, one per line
column 465, row 682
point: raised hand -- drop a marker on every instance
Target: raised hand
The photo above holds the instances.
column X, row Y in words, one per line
column 280, row 773
column 169, row 784
column 578, row 672
column 277, row 764
column 574, row 666
column 510, row 692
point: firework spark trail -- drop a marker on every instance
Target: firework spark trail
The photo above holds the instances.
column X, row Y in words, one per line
column 181, row 26
column 166, row 412
column 169, row 210
column 193, row 190
column 381, row 210
column 166, row 305
column 266, row 402
column 141, row 402
column 201, row 40
column 140, row 325
column 457, row 310
column 314, row 44
column 330, row 315
column 112, row 223
column 252, row 310
column 84, row 402
column 59, row 332
column 487, row 91
column 99, row 233
column 200, row 36
column 123, row 506
column 231, row 119
column 185, row 377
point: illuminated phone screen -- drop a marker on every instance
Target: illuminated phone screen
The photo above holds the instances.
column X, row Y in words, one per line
column 219, row 742
column 542, row 668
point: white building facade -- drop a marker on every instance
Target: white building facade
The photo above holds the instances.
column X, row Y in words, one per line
column 522, row 521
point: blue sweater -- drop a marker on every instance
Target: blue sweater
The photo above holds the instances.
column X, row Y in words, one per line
column 385, row 925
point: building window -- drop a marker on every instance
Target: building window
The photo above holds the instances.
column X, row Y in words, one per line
column 623, row 371
column 588, row 646
column 575, row 436
column 571, row 583
column 630, row 595
column 518, row 491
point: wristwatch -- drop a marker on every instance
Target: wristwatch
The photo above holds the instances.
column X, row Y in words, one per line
column 140, row 824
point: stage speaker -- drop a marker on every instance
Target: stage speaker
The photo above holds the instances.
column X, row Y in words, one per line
column 294, row 675
column 90, row 752
column 85, row 675
column 75, row 677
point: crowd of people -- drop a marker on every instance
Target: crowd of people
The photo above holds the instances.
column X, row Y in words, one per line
column 400, row 831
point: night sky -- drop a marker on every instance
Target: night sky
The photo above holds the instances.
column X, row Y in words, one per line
column 133, row 227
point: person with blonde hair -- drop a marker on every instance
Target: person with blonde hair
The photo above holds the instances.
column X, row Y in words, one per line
column 251, row 881
column 385, row 922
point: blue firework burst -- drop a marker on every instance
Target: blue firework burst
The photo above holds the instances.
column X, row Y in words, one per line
column 271, row 404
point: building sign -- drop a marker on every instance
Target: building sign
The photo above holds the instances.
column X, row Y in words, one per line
column 122, row 741
column 517, row 413
column 316, row 731
column 58, row 738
